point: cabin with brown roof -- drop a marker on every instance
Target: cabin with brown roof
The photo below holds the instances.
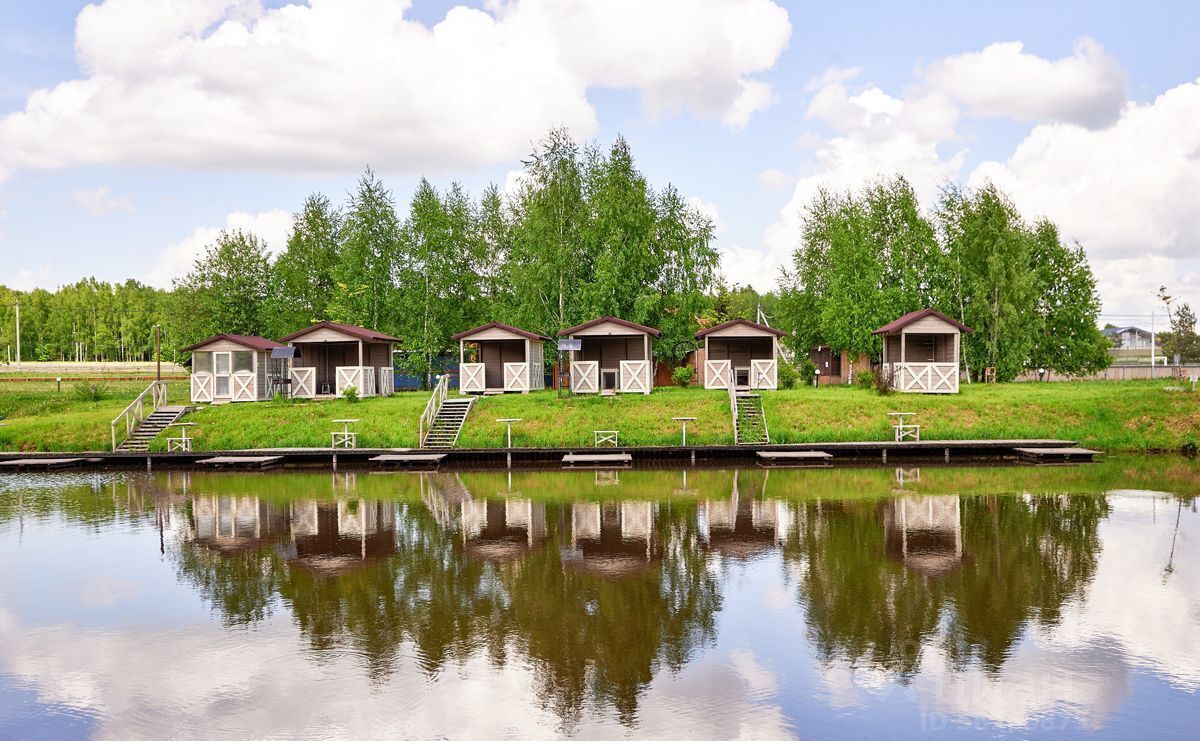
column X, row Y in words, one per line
column 331, row 356
column 740, row 353
column 614, row 355
column 231, row 367
column 921, row 352
column 496, row 357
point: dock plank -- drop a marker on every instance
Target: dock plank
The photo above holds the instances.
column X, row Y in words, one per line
column 44, row 463
column 250, row 461
column 1061, row 454
column 794, row 454
column 597, row 458
column 409, row 458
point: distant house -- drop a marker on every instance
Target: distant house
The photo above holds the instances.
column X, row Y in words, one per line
column 231, row 367
column 836, row 366
column 921, row 352
column 497, row 357
column 740, row 352
column 1128, row 338
column 614, row 355
column 331, row 357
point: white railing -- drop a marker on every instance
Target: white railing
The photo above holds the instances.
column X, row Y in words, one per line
column 634, row 376
column 433, row 406
column 733, row 409
column 764, row 374
column 924, row 378
column 361, row 377
column 304, row 382
column 471, row 378
column 516, row 376
column 154, row 396
column 585, row 377
column 717, row 374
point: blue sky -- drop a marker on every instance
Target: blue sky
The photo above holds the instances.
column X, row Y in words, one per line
column 130, row 134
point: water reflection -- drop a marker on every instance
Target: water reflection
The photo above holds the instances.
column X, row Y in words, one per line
column 614, row 591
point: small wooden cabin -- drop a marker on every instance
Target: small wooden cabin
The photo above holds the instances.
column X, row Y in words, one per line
column 331, row 356
column 231, row 367
column 495, row 358
column 921, row 352
column 615, row 355
column 742, row 353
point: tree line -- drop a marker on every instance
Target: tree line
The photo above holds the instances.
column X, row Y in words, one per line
column 582, row 233
column 869, row 256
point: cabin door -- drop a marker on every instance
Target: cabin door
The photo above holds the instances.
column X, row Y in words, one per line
column 222, row 364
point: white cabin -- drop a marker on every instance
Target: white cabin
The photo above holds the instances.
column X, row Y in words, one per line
column 230, row 367
column 615, row 355
column 495, row 358
column 921, row 352
column 331, row 356
column 740, row 353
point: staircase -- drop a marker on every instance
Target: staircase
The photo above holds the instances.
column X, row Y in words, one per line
column 447, row 423
column 138, row 441
column 749, row 420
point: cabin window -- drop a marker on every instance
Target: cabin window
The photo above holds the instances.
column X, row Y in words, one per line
column 202, row 362
column 243, row 361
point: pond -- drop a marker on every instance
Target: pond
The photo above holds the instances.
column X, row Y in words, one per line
column 862, row 602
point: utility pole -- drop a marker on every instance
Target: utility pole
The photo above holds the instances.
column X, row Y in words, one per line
column 1152, row 344
column 18, row 333
column 158, row 352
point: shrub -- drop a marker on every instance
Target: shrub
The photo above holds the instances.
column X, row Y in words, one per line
column 864, row 378
column 91, row 391
column 350, row 393
column 807, row 370
column 789, row 376
column 882, row 382
column 683, row 375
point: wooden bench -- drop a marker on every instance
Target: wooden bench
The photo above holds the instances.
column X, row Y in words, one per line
column 183, row 443
column 905, row 429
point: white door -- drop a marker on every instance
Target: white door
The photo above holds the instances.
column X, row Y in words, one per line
column 222, row 363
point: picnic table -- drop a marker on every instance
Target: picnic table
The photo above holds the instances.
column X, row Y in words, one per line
column 684, row 420
column 904, row 428
column 345, row 438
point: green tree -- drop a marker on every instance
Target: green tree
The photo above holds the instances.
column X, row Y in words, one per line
column 227, row 289
column 304, row 271
column 1068, row 306
column 1182, row 339
column 369, row 258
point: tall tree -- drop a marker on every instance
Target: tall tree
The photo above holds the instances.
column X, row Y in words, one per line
column 369, row 258
column 304, row 271
column 1068, row 306
column 1182, row 339
column 227, row 289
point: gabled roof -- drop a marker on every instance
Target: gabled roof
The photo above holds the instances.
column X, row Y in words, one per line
column 1121, row 330
column 250, row 342
column 361, row 333
column 500, row 325
column 600, row 320
column 912, row 316
column 739, row 323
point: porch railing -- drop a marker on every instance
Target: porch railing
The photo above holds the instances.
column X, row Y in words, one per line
column 431, row 408
column 152, row 398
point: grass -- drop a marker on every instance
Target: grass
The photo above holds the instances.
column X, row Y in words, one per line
column 1128, row 416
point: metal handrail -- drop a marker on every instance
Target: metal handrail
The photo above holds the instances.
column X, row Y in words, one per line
column 433, row 406
column 135, row 413
column 733, row 410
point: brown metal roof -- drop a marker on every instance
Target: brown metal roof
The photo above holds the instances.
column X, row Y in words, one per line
column 252, row 342
column 912, row 316
column 599, row 320
column 739, row 322
column 361, row 333
column 500, row 325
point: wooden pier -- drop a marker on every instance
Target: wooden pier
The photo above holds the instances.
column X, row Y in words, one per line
column 598, row 460
column 1058, row 455
column 243, row 461
column 410, row 460
column 44, row 464
column 794, row 458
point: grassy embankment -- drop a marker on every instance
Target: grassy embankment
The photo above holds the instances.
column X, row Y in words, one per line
column 1136, row 416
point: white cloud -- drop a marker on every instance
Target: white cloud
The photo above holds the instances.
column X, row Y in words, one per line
column 709, row 209
column 334, row 84
column 774, row 179
column 273, row 227
column 27, row 280
column 1086, row 88
column 101, row 201
column 1128, row 193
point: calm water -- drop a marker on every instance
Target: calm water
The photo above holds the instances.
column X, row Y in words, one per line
column 866, row 603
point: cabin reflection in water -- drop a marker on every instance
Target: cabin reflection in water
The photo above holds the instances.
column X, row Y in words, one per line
column 611, row 539
column 744, row 526
column 233, row 524
column 924, row 533
column 502, row 529
column 332, row 537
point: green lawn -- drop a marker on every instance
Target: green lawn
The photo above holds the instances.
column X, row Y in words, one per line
column 1135, row 416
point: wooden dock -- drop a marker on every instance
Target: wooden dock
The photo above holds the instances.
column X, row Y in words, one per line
column 794, row 458
column 243, row 461
column 44, row 464
column 598, row 460
column 1058, row 455
column 427, row 460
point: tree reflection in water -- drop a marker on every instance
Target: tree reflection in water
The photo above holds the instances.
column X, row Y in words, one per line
column 598, row 592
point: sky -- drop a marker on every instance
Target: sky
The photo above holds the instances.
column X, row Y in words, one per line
column 133, row 131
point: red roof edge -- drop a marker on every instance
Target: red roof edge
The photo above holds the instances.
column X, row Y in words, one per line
column 361, row 333
column 601, row 319
column 740, row 322
column 500, row 325
column 913, row 316
column 252, row 342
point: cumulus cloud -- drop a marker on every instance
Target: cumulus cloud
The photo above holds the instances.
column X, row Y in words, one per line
column 331, row 84
column 101, row 201
column 1128, row 193
column 27, row 280
column 1086, row 88
column 273, row 227
column 774, row 179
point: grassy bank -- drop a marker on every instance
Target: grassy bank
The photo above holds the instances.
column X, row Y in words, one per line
column 1135, row 416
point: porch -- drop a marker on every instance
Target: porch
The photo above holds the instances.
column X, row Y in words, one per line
column 742, row 354
column 921, row 353
column 497, row 358
column 614, row 364
column 331, row 358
